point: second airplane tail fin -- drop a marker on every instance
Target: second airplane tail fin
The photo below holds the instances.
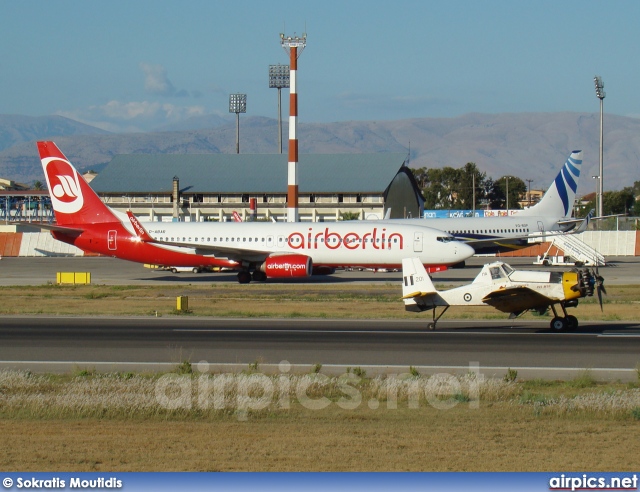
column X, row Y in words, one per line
column 559, row 198
column 73, row 200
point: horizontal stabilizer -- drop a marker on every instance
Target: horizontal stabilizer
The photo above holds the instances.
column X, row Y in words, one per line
column 71, row 231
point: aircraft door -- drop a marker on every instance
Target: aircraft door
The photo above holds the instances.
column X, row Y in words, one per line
column 111, row 240
column 417, row 242
column 540, row 226
column 269, row 241
column 281, row 241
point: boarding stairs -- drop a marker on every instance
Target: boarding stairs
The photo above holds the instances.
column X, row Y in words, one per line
column 572, row 246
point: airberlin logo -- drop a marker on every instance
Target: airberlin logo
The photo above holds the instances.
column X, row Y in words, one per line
column 374, row 239
column 64, row 183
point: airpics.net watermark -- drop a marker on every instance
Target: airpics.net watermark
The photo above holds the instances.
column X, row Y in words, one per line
column 245, row 393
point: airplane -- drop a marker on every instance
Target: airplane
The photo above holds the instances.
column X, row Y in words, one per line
column 257, row 250
column 552, row 214
column 504, row 288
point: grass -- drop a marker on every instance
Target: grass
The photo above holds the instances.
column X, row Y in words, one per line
column 274, row 300
column 114, row 422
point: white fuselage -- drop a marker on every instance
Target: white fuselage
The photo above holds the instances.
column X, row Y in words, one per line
column 357, row 244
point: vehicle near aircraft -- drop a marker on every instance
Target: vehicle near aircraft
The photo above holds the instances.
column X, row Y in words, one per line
column 508, row 290
column 256, row 249
column 552, row 214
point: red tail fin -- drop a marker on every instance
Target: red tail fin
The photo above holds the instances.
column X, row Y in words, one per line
column 73, row 200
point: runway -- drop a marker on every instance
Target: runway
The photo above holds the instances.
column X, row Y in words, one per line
column 609, row 350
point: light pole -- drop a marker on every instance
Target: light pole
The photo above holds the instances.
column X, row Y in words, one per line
column 529, row 183
column 507, row 178
column 237, row 105
column 279, row 79
column 600, row 94
column 597, row 178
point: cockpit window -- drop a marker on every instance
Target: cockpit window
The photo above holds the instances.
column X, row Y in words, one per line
column 496, row 273
column 507, row 269
column 446, row 239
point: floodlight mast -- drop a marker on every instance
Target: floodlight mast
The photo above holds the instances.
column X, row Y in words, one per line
column 237, row 105
column 600, row 94
column 291, row 45
column 279, row 79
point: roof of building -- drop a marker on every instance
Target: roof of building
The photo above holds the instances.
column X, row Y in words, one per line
column 248, row 173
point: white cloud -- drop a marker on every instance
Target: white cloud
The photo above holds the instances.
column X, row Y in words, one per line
column 156, row 80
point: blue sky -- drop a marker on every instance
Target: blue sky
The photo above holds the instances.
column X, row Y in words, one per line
column 135, row 65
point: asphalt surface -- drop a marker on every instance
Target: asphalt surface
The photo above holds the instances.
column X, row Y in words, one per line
column 54, row 343
column 610, row 350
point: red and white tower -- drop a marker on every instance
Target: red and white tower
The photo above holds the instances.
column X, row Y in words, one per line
column 291, row 45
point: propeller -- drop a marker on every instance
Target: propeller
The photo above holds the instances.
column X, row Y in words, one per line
column 599, row 285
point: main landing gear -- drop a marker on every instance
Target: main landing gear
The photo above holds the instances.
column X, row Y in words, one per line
column 563, row 323
column 244, row 277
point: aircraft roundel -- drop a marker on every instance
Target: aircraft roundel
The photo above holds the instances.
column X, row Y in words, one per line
column 64, row 183
column 467, row 297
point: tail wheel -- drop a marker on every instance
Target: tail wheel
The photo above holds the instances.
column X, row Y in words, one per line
column 558, row 324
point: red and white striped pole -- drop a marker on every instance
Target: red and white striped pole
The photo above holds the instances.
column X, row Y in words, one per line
column 291, row 44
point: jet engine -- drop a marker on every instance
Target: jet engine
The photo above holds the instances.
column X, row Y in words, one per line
column 283, row 266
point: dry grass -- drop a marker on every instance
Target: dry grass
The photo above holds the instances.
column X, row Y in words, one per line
column 113, row 422
column 230, row 300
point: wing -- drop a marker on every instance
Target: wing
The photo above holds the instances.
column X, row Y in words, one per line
column 516, row 299
column 219, row 251
column 230, row 252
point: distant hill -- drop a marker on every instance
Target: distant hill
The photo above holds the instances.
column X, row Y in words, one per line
column 16, row 128
column 527, row 145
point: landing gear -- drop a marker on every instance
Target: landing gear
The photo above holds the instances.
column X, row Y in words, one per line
column 259, row 276
column 566, row 323
column 244, row 277
column 432, row 326
column 558, row 324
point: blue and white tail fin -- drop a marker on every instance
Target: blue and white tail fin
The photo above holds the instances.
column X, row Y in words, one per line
column 559, row 198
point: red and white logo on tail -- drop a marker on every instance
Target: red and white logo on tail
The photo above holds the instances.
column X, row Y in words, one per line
column 64, row 183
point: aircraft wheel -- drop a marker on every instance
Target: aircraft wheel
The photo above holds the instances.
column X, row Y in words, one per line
column 174, row 270
column 431, row 326
column 572, row 323
column 244, row 277
column 196, row 270
column 259, row 276
column 546, row 262
column 558, row 324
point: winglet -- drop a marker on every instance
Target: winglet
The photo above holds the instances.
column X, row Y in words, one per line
column 415, row 280
column 141, row 232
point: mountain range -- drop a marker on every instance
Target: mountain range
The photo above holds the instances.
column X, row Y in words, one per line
column 526, row 145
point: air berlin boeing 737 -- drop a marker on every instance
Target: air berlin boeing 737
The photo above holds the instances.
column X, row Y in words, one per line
column 256, row 250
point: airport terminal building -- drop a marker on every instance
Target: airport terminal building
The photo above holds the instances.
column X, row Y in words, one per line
column 211, row 187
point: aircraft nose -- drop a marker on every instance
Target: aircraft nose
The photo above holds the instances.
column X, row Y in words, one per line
column 464, row 251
